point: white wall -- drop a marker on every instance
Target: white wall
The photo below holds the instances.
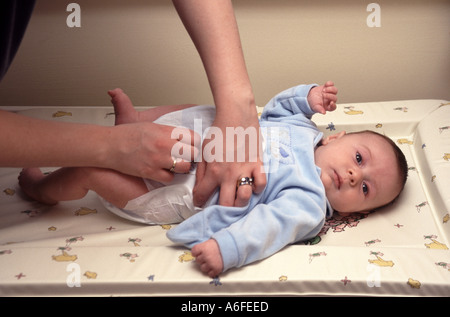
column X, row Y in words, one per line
column 142, row 47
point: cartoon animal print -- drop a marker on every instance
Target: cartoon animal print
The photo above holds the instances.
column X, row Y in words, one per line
column 30, row 213
column 283, row 278
column 351, row 111
column 135, row 241
column 338, row 223
column 216, row 281
column 90, row 275
column 129, row 256
column 9, row 191
column 379, row 261
column 312, row 256
column 422, row 204
column 371, row 242
column 444, row 128
column 404, row 141
column 66, row 257
column 83, row 211
column 412, row 168
column 60, row 113
column 446, row 156
column 186, row 257
column 435, row 244
column 444, row 265
column 446, row 218
column 414, row 283
column 331, row 126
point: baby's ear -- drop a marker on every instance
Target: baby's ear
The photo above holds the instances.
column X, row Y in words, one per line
column 333, row 137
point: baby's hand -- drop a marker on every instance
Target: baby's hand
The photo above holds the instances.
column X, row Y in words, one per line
column 323, row 98
column 207, row 255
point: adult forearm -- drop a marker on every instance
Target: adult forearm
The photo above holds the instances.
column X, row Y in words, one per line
column 27, row 142
column 214, row 31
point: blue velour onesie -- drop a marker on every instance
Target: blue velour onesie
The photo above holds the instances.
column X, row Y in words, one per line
column 292, row 207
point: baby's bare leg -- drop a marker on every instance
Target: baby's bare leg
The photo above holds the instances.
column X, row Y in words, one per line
column 125, row 112
column 73, row 183
column 123, row 107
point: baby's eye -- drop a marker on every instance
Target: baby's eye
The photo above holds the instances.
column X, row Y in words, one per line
column 365, row 189
column 358, row 158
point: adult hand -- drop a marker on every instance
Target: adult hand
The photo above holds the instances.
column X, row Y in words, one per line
column 148, row 150
column 239, row 138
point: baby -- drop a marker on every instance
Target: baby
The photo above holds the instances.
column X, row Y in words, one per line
column 308, row 177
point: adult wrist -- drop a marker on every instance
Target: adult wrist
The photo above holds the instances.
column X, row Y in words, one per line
column 236, row 102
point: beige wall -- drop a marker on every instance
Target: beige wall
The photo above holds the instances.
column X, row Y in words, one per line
column 142, row 47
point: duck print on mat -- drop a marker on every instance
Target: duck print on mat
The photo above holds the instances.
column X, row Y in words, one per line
column 186, row 257
column 414, row 283
column 351, row 111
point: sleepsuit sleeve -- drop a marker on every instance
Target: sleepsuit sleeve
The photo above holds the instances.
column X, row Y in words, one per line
column 267, row 228
column 292, row 103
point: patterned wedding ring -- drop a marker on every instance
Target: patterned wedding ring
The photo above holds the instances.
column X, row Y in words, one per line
column 244, row 181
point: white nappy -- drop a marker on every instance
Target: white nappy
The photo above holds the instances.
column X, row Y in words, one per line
column 163, row 204
column 173, row 202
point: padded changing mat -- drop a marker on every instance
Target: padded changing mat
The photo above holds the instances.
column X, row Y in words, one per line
column 79, row 248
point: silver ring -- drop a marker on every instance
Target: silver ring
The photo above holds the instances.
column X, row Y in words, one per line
column 172, row 169
column 244, row 181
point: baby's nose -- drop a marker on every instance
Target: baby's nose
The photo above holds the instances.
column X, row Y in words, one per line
column 354, row 176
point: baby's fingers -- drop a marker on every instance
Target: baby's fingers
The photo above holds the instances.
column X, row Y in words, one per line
column 329, row 97
column 331, row 106
column 330, row 90
column 328, row 84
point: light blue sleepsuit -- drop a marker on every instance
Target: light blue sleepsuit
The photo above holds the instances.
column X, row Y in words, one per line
column 292, row 207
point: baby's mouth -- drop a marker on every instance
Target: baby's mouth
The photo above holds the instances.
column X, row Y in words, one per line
column 337, row 180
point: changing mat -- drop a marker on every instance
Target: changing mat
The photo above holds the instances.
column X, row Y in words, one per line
column 79, row 248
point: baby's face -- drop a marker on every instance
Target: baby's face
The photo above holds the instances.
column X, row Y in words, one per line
column 359, row 171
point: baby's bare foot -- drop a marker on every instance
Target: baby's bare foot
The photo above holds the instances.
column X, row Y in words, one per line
column 29, row 179
column 123, row 107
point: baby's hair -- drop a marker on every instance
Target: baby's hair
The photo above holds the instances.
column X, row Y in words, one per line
column 402, row 164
